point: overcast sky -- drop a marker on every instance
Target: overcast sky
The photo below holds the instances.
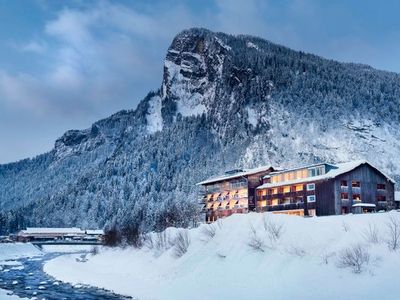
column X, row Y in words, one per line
column 66, row 64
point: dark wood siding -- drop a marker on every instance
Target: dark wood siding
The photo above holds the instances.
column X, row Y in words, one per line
column 254, row 181
column 368, row 177
column 325, row 199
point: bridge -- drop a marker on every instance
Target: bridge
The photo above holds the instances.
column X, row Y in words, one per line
column 40, row 244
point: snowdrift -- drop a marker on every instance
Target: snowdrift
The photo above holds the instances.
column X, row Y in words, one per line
column 253, row 256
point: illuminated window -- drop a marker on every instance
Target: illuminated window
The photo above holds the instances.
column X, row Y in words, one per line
column 274, row 191
column 355, row 184
column 310, row 186
column 286, row 189
column 380, row 186
column 275, row 202
column 311, row 198
column 298, row 187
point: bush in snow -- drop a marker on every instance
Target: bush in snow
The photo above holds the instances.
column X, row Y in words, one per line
column 371, row 234
column 326, row 256
column 181, row 243
column 159, row 241
column 94, row 251
column 394, row 233
column 345, row 227
column 256, row 243
column 354, row 257
column 274, row 229
column 296, row 251
column 209, row 231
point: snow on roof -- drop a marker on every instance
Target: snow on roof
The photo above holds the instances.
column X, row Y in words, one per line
column 294, row 169
column 396, row 196
column 363, row 205
column 332, row 173
column 47, row 230
column 235, row 175
column 94, row 231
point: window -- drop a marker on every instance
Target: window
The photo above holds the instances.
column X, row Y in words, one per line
column 311, row 198
column 344, row 196
column 274, row 191
column 355, row 184
column 275, row 202
column 380, row 186
column 356, row 197
column 286, row 200
column 343, row 183
column 310, row 186
column 381, row 198
column 298, row 187
column 238, row 183
column 299, row 199
column 286, row 189
column 320, row 170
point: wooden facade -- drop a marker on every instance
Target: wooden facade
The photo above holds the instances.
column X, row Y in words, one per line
column 331, row 190
column 315, row 190
column 234, row 192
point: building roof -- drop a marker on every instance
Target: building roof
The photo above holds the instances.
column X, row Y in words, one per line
column 49, row 230
column 95, row 231
column 337, row 170
column 240, row 173
column 280, row 171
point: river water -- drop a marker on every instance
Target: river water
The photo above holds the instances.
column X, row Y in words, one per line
column 25, row 278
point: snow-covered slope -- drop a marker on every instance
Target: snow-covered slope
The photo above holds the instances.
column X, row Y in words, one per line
column 303, row 263
column 224, row 102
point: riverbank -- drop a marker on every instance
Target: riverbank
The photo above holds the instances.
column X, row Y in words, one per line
column 22, row 276
column 239, row 258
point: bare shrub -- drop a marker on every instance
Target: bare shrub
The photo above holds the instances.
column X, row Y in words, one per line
column 181, row 243
column 394, row 233
column 371, row 234
column 94, row 250
column 219, row 223
column 345, row 227
column 354, row 257
column 159, row 241
column 296, row 251
column 255, row 242
column 274, row 229
column 326, row 256
column 209, row 231
column 221, row 255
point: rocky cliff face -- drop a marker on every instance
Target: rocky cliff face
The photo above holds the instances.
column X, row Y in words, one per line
column 225, row 101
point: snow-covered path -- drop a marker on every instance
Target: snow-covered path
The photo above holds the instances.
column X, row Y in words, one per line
column 301, row 264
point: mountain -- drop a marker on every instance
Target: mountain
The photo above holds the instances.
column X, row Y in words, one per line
column 225, row 101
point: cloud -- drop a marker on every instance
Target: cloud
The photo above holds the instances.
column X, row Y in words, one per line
column 97, row 60
column 35, row 47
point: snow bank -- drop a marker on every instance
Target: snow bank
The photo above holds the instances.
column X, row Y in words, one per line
column 301, row 264
column 66, row 248
column 17, row 250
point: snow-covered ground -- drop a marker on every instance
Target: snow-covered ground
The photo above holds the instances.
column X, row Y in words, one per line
column 17, row 250
column 303, row 263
